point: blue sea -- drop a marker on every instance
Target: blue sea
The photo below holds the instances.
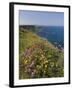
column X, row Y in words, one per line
column 54, row 34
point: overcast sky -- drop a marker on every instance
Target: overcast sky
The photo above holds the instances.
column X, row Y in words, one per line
column 41, row 18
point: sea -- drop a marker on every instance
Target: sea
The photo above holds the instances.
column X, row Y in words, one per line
column 54, row 34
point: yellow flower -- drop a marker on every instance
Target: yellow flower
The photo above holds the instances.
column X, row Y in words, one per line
column 45, row 66
column 46, row 61
column 26, row 61
column 42, row 56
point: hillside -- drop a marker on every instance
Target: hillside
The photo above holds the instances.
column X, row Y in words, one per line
column 38, row 58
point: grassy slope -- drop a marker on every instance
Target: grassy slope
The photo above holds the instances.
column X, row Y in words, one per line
column 38, row 57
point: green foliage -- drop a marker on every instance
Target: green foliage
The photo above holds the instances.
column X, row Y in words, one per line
column 38, row 58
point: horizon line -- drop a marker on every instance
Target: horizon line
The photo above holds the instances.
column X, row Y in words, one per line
column 41, row 25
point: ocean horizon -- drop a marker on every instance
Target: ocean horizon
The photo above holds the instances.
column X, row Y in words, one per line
column 54, row 34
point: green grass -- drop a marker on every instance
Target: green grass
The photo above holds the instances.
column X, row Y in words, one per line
column 38, row 58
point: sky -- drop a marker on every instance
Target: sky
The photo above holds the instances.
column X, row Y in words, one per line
column 41, row 18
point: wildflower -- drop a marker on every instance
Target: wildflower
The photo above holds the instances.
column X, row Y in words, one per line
column 45, row 66
column 46, row 61
column 26, row 61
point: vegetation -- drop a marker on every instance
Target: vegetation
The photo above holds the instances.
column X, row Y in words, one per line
column 38, row 58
